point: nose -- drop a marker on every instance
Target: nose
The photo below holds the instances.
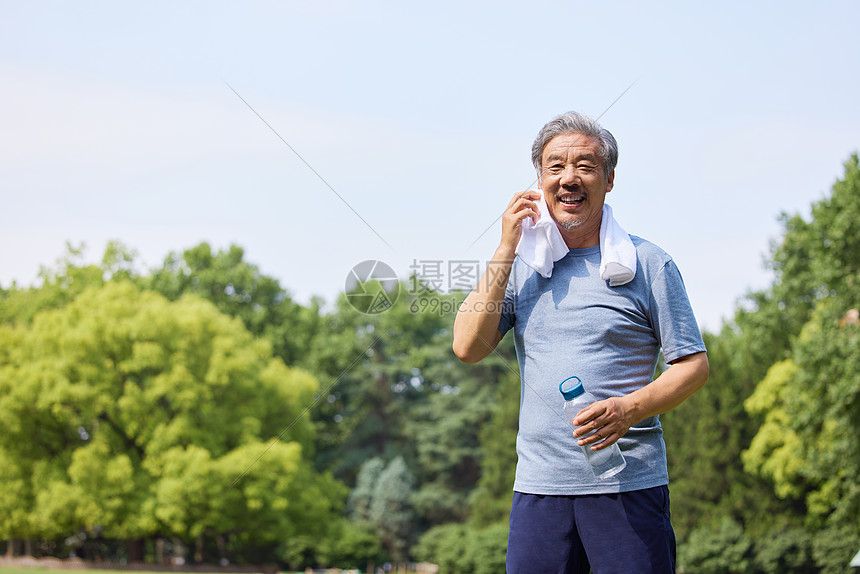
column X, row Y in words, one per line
column 568, row 176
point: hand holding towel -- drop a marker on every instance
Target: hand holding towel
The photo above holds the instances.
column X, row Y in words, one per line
column 541, row 245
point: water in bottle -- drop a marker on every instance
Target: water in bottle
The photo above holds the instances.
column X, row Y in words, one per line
column 606, row 462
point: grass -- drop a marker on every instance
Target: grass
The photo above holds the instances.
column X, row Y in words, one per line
column 40, row 569
column 34, row 569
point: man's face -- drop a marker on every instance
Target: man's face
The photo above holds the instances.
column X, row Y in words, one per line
column 574, row 184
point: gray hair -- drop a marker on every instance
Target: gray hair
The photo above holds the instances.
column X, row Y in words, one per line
column 576, row 123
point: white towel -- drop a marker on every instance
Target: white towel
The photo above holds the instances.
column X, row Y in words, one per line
column 542, row 244
column 617, row 252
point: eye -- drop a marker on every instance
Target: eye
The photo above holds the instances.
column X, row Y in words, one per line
column 585, row 167
column 555, row 168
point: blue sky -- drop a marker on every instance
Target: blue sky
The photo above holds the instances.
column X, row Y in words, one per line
column 117, row 122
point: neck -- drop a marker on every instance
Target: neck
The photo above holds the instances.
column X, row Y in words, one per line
column 586, row 235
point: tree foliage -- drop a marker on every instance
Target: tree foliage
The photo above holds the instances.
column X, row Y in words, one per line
column 239, row 289
column 721, row 550
column 397, row 390
column 159, row 403
column 809, row 442
column 391, row 512
column 130, row 415
column 770, row 444
column 461, row 549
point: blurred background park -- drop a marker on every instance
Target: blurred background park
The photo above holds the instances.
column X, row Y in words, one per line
column 187, row 189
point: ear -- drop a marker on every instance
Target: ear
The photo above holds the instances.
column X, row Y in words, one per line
column 610, row 181
column 540, row 182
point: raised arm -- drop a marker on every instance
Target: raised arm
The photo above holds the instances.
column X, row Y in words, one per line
column 476, row 327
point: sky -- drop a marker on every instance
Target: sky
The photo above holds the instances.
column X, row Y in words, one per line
column 317, row 135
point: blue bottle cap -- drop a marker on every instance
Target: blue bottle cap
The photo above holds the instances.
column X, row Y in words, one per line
column 572, row 392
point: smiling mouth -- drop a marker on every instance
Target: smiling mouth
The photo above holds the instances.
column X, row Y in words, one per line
column 568, row 200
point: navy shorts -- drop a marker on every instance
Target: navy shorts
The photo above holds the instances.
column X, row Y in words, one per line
column 609, row 533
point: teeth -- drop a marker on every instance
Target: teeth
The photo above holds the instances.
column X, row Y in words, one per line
column 570, row 200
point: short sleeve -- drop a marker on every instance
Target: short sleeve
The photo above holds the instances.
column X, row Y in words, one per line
column 672, row 315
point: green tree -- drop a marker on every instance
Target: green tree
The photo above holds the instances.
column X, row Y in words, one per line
column 490, row 502
column 239, row 289
column 391, row 512
column 380, row 369
column 346, row 545
column 461, row 549
column 834, row 546
column 446, row 430
column 361, row 497
column 59, row 285
column 722, row 548
column 809, row 440
column 398, row 390
column 704, row 440
column 786, row 550
column 758, row 446
column 133, row 416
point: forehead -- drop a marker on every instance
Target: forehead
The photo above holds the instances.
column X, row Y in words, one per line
column 572, row 145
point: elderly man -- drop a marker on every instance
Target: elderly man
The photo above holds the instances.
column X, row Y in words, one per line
column 571, row 320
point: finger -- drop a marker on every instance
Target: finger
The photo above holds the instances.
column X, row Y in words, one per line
column 591, row 432
column 599, row 442
column 535, row 209
column 522, row 195
column 591, row 440
column 512, row 226
column 531, row 211
column 521, row 211
column 589, row 414
column 517, row 217
column 607, row 442
column 530, row 196
column 522, row 202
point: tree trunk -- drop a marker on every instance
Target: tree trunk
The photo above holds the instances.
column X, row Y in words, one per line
column 180, row 552
column 198, row 549
column 159, row 550
column 222, row 548
column 135, row 550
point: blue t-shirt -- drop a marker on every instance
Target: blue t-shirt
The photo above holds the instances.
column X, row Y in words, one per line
column 574, row 323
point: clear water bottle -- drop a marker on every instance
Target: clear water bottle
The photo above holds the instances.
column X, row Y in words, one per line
column 606, row 462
